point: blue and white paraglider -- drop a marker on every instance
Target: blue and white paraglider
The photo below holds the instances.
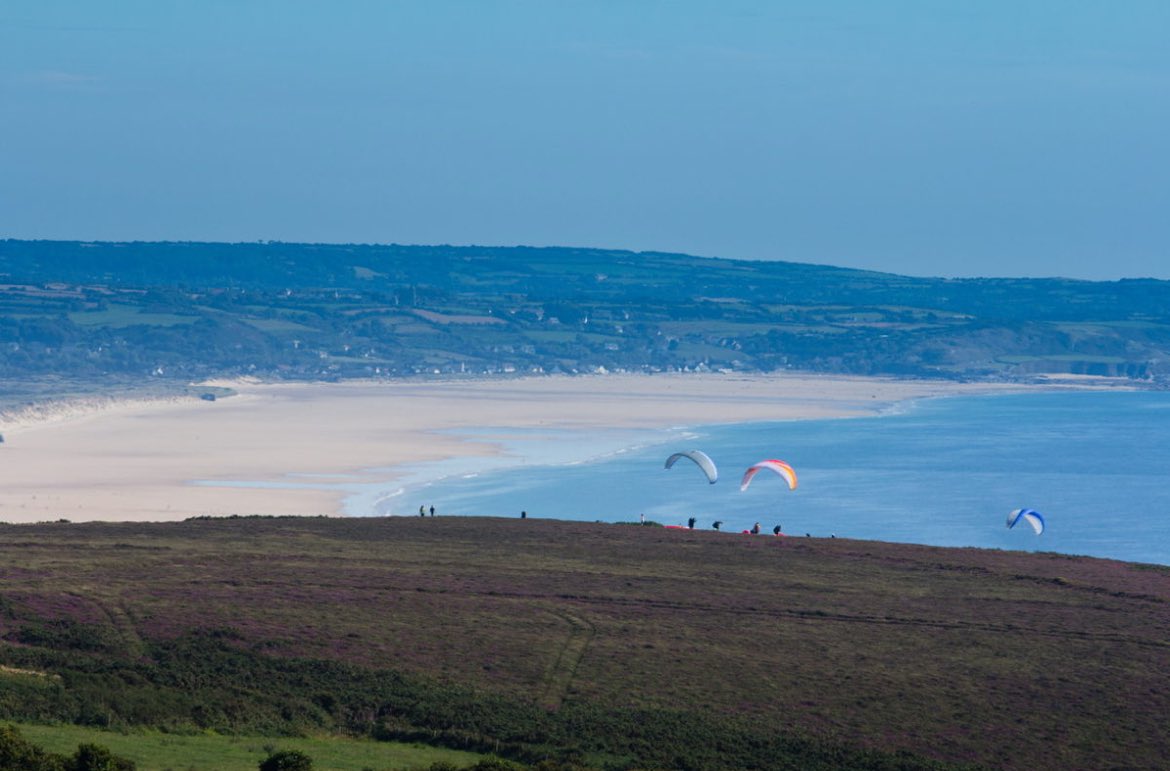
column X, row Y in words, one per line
column 701, row 460
column 1030, row 516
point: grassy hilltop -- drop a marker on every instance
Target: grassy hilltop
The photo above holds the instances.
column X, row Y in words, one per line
column 612, row 646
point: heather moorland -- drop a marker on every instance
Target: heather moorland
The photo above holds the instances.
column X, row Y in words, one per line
column 605, row 645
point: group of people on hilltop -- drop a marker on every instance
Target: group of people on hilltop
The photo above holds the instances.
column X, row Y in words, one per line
column 719, row 523
column 422, row 512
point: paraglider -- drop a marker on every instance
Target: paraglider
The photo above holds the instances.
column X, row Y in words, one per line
column 701, row 460
column 778, row 466
column 1030, row 516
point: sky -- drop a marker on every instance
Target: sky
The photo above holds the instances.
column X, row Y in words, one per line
column 957, row 138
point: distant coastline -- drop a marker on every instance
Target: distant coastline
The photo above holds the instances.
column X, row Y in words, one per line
column 80, row 312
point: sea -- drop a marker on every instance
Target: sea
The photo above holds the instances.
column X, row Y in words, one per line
column 940, row 471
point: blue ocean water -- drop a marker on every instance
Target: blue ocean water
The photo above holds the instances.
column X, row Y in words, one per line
column 940, row 471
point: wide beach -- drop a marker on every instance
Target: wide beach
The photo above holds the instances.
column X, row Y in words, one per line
column 119, row 460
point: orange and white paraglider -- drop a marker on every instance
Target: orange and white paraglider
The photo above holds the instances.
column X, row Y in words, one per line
column 778, row 466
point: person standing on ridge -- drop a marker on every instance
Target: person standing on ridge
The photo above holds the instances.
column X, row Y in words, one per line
column 756, row 529
column 432, row 511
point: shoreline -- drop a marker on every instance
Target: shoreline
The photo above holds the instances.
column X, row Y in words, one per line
column 512, row 449
column 306, row 448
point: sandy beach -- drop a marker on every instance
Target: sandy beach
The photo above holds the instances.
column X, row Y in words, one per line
column 139, row 460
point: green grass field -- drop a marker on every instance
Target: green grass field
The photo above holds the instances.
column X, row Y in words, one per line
column 157, row 751
column 616, row 646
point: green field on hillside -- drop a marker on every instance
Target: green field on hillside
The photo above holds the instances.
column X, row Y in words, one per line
column 156, row 751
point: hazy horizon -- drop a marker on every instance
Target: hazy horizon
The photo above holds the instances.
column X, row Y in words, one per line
column 1022, row 139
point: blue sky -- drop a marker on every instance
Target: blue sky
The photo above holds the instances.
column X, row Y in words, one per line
column 928, row 138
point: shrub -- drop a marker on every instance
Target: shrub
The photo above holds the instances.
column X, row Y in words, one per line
column 287, row 760
column 94, row 757
column 17, row 754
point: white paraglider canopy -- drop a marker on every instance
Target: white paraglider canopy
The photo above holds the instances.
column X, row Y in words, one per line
column 701, row 460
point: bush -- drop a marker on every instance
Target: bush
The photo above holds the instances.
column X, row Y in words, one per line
column 17, row 754
column 94, row 757
column 287, row 760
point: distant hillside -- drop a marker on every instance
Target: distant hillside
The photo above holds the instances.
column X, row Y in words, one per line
column 612, row 646
column 176, row 311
